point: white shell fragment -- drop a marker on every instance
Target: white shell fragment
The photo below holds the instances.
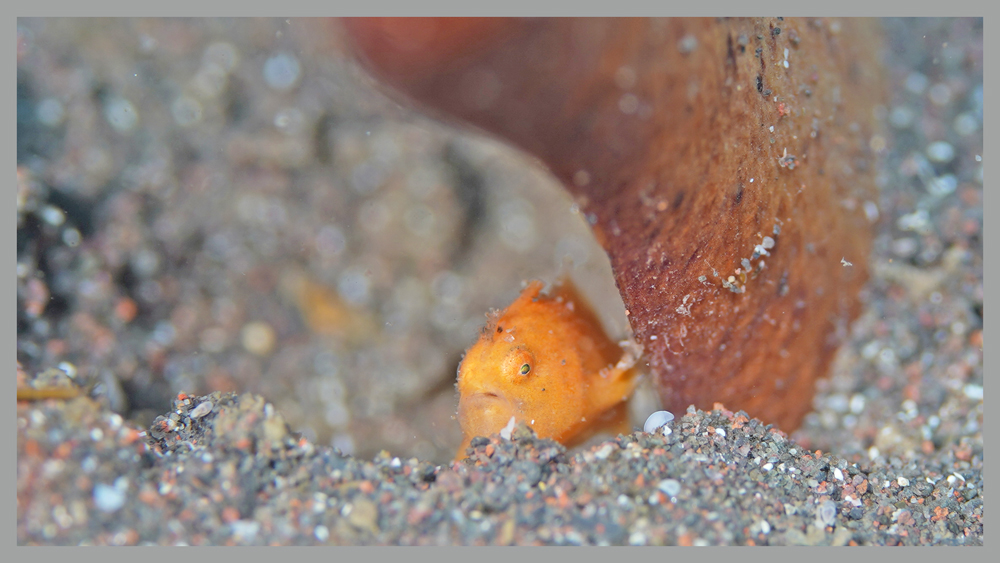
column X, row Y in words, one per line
column 657, row 420
column 506, row 430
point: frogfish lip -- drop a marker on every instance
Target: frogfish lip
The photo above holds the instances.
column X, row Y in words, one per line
column 484, row 413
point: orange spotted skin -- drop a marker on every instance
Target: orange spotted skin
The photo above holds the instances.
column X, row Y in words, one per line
column 547, row 361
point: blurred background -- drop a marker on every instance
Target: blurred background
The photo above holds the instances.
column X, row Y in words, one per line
column 232, row 205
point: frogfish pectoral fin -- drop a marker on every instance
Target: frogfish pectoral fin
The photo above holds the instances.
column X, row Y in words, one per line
column 614, row 385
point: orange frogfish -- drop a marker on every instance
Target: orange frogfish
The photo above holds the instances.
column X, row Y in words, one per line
column 547, row 361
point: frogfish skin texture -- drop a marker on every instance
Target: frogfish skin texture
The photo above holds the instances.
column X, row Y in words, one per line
column 545, row 360
column 725, row 165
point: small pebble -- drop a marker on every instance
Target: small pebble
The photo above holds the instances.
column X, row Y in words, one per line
column 186, row 111
column 121, row 114
column 53, row 215
column 50, row 112
column 201, row 410
column 68, row 368
column 857, row 404
column 258, row 338
column 354, row 286
column 942, row 185
column 364, row 515
column 670, row 487
column 245, row 530
column 901, row 117
column 871, row 211
column 71, row 237
column 282, row 72
column 604, row 451
column 966, row 124
column 222, row 54
column 109, row 498
column 916, row 83
column 974, row 392
column 940, row 152
column 905, row 247
column 826, row 513
column 940, row 94
column 917, row 221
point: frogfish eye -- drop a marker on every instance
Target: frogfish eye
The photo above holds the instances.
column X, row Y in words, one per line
column 518, row 366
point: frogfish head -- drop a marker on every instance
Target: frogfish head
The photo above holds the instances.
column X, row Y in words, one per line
column 488, row 385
